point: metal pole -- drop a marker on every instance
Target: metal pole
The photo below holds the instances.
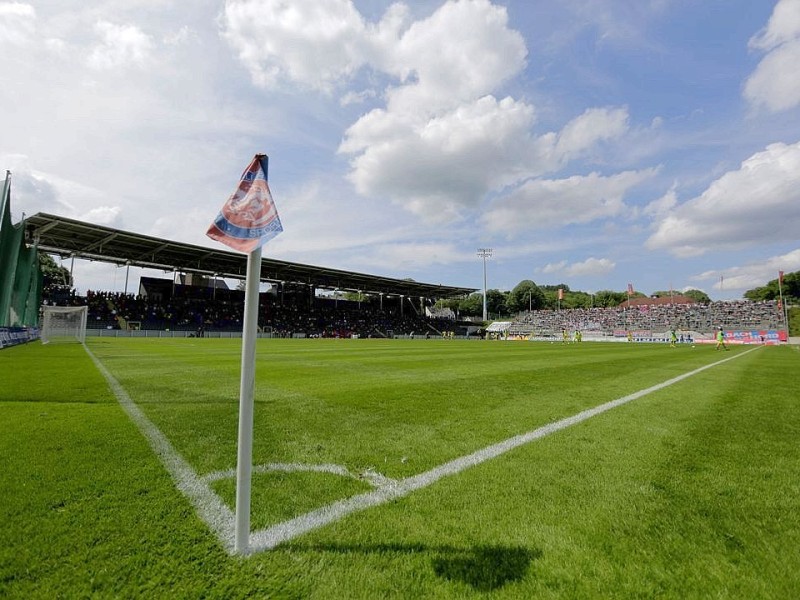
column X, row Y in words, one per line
column 127, row 272
column 484, row 253
column 784, row 311
column 244, row 461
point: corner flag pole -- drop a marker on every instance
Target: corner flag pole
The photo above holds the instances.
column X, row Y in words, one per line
column 244, row 459
column 246, row 221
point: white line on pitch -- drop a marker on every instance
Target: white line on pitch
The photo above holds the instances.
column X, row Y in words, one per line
column 220, row 519
column 207, row 503
column 270, row 537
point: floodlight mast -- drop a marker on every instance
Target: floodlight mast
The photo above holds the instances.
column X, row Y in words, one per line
column 484, row 253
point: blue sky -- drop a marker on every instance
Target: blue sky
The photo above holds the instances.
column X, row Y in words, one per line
column 587, row 142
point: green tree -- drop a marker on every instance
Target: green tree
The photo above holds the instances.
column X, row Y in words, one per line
column 52, row 273
column 495, row 302
column 570, row 299
column 609, row 298
column 771, row 291
column 453, row 304
column 794, row 321
column 355, row 296
column 471, row 306
column 526, row 294
column 698, row 296
column 555, row 288
column 578, row 300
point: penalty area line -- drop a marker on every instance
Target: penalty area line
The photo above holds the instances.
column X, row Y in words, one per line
column 270, row 537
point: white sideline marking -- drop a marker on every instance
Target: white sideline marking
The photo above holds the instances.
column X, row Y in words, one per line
column 209, row 506
column 220, row 518
column 270, row 537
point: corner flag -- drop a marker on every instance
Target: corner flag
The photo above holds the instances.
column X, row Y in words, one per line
column 249, row 217
column 247, row 220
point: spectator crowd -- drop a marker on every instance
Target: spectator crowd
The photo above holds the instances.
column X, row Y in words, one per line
column 740, row 315
column 195, row 310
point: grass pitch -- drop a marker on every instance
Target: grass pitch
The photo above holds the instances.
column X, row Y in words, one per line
column 690, row 491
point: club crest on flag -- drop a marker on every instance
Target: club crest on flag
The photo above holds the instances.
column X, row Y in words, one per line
column 249, row 218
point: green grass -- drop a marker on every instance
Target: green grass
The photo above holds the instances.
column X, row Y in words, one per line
column 689, row 492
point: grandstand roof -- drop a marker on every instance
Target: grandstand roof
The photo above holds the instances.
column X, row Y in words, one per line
column 68, row 237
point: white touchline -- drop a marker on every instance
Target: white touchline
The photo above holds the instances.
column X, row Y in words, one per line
column 207, row 503
column 220, row 518
column 270, row 537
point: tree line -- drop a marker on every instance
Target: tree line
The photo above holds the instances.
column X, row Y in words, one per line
column 527, row 295
column 771, row 291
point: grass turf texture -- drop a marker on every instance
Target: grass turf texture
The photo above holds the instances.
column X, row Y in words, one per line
column 688, row 492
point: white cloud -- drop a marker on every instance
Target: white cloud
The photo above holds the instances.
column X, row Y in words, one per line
column 775, row 83
column 544, row 203
column 102, row 215
column 590, row 267
column 410, row 256
column 437, row 166
column 17, row 22
column 552, row 267
column 120, row 45
column 461, row 52
column 356, row 97
column 758, row 202
column 179, row 37
column 305, row 41
column 662, row 206
column 31, row 192
column 35, row 191
column 443, row 141
column 594, row 125
column 751, row 275
column 783, row 26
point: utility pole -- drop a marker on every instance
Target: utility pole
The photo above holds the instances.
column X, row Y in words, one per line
column 484, row 253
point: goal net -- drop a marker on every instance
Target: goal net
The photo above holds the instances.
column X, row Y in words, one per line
column 63, row 324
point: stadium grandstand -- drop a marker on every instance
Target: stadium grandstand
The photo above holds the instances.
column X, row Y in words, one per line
column 199, row 303
column 652, row 318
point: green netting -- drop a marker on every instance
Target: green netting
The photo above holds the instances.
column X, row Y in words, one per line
column 20, row 276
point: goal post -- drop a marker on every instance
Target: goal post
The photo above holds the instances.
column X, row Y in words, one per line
column 63, row 324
